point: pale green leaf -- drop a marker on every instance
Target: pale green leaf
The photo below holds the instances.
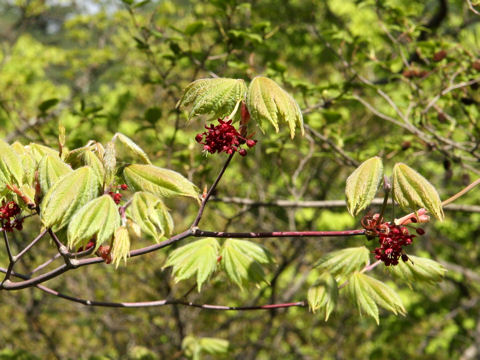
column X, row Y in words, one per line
column 67, row 195
column 159, row 181
column 128, row 151
column 242, row 261
column 92, row 160
column 266, row 101
column 50, row 169
column 418, row 270
column 39, row 151
column 214, row 345
column 412, row 191
column 197, row 258
column 99, row 218
column 362, row 185
column 11, row 170
column 368, row 292
column 342, row 263
column 150, row 213
column 120, row 246
column 323, row 295
column 219, row 96
column 110, row 163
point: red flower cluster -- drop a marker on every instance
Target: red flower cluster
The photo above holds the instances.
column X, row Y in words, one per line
column 392, row 239
column 116, row 196
column 8, row 216
column 223, row 138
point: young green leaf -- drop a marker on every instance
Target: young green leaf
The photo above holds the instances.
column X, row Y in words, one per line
column 368, row 292
column 50, row 169
column 110, row 163
column 99, row 218
column 11, row 170
column 219, row 96
column 418, row 270
column 343, row 262
column 362, row 185
column 39, row 151
column 266, row 101
column 150, row 213
column 198, row 257
column 323, row 295
column 412, row 191
column 128, row 150
column 121, row 246
column 213, row 345
column 92, row 160
column 67, row 195
column 242, row 261
column 162, row 182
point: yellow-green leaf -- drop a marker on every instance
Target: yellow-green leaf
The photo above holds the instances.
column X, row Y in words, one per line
column 98, row 217
column 362, row 185
column 368, row 292
column 11, row 170
column 412, row 191
column 39, row 151
column 419, row 271
column 197, row 258
column 342, row 263
column 92, row 160
column 50, row 169
column 219, row 96
column 150, row 213
column 266, row 101
column 159, row 181
column 128, row 151
column 121, row 246
column 323, row 295
column 67, row 195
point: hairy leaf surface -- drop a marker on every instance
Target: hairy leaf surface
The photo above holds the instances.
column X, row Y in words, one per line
column 50, row 169
column 418, row 270
column 11, row 170
column 128, row 150
column 323, row 295
column 343, row 262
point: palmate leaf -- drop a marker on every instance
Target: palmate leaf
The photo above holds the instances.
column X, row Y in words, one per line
column 266, row 101
column 150, row 213
column 68, row 195
column 128, row 151
column 219, row 96
column 242, row 261
column 159, row 181
column 121, row 246
column 194, row 347
column 418, row 270
column 99, row 218
column 11, row 170
column 362, row 185
column 368, row 292
column 323, row 295
column 344, row 262
column 50, row 169
column 412, row 191
column 197, row 258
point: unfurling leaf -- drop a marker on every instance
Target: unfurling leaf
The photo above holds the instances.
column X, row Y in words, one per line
column 219, row 96
column 150, row 213
column 242, row 261
column 99, row 218
column 368, row 292
column 193, row 347
column 198, row 257
column 412, row 191
column 92, row 160
column 362, row 185
column 266, row 101
column 50, row 169
column 162, row 182
column 323, row 295
column 39, row 151
column 343, row 262
column 11, row 170
column 121, row 246
column 110, row 163
column 128, row 151
column 67, row 195
column 419, row 271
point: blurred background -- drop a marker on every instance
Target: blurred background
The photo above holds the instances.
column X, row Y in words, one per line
column 398, row 79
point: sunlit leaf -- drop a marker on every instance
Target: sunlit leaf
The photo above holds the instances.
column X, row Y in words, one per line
column 323, row 295
column 197, row 258
column 266, row 101
column 362, row 185
column 92, row 160
column 150, row 213
column 68, row 195
column 418, row 271
column 242, row 261
column 11, row 170
column 412, row 191
column 120, row 246
column 99, row 218
column 128, row 151
column 159, row 181
column 50, row 169
column 368, row 292
column 39, row 151
column 219, row 96
column 343, row 262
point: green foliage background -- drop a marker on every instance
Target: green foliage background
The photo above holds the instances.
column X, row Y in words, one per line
column 365, row 76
